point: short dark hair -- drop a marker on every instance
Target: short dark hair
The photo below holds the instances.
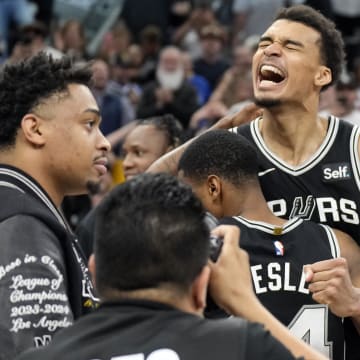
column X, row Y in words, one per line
column 222, row 153
column 25, row 84
column 331, row 46
column 169, row 125
column 150, row 231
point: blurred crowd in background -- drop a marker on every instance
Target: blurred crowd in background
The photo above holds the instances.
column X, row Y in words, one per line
column 187, row 58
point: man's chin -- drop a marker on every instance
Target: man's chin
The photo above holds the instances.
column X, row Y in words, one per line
column 267, row 103
column 93, row 186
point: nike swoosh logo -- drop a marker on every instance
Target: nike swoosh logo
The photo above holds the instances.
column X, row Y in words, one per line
column 262, row 173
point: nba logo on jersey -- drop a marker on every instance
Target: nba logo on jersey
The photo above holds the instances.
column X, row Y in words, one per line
column 279, row 248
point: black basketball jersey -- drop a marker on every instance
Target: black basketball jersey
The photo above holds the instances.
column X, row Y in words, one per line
column 277, row 256
column 325, row 189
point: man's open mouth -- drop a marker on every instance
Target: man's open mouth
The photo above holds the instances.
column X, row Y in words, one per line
column 271, row 73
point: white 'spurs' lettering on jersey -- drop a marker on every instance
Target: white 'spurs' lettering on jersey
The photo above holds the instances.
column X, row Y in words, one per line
column 328, row 209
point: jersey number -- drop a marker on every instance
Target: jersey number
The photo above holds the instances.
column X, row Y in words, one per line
column 160, row 354
column 311, row 325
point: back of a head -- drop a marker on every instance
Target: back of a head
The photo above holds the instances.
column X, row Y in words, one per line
column 150, row 232
column 332, row 45
column 222, row 153
column 169, row 125
column 29, row 83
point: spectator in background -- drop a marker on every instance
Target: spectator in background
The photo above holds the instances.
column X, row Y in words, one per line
column 16, row 12
column 138, row 14
column 150, row 45
column 324, row 6
column 136, row 55
column 224, row 12
column 44, row 12
column 356, row 76
column 180, row 11
column 327, row 101
column 347, row 19
column 253, row 16
column 123, row 84
column 21, row 49
column 149, row 140
column 231, row 94
column 347, row 96
column 170, row 93
column 38, row 34
column 200, row 84
column 72, row 40
column 109, row 104
column 187, row 36
column 236, row 83
column 344, row 104
column 115, row 43
column 243, row 91
column 212, row 63
column 207, row 115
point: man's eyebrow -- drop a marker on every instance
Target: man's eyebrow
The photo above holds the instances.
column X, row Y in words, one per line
column 285, row 41
column 265, row 38
column 294, row 42
column 94, row 111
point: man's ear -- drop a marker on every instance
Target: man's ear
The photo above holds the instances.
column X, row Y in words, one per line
column 323, row 76
column 199, row 289
column 32, row 128
column 92, row 268
column 214, row 186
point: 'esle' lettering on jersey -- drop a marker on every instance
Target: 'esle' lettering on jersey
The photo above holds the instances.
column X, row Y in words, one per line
column 276, row 277
column 329, row 209
column 336, row 172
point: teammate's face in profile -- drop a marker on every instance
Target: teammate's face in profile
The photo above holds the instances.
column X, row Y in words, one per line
column 142, row 146
column 204, row 192
column 287, row 66
column 75, row 146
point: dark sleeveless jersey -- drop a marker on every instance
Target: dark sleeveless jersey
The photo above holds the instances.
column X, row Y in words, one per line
column 277, row 256
column 325, row 189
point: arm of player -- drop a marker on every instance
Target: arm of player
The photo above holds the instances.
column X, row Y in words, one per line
column 245, row 115
column 238, row 297
column 169, row 162
column 336, row 282
column 118, row 135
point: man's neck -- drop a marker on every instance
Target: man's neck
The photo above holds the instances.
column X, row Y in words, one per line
column 293, row 136
column 35, row 169
column 168, row 296
column 250, row 205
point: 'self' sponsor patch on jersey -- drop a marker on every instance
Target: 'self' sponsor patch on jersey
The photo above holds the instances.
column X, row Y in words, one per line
column 336, row 172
